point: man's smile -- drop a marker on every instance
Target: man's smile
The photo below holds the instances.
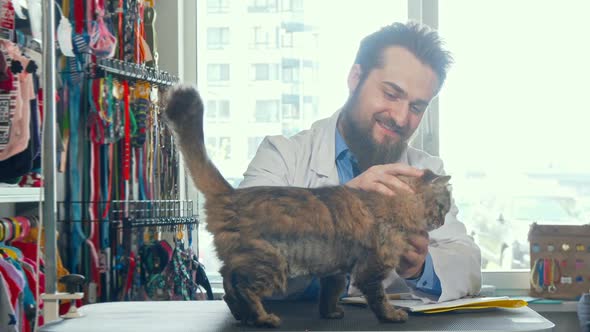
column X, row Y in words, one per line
column 393, row 131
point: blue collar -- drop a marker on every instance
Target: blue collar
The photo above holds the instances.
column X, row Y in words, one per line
column 341, row 147
column 346, row 162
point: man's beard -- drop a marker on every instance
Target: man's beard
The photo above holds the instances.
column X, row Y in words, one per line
column 361, row 143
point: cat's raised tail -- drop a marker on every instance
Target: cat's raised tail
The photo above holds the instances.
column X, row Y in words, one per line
column 184, row 115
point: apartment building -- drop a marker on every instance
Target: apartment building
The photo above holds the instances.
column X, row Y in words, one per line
column 257, row 71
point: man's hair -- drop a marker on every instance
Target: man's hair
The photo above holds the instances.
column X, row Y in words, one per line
column 419, row 39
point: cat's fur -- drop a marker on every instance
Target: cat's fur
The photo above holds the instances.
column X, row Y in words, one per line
column 264, row 235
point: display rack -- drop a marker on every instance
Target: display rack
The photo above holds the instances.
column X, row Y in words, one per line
column 122, row 213
column 131, row 214
column 133, row 71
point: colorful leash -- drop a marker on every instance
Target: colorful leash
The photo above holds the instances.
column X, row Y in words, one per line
column 120, row 34
column 93, row 241
column 545, row 274
column 102, row 41
column 127, row 139
column 77, row 235
column 75, row 80
column 150, row 33
column 141, row 106
column 130, row 30
column 79, row 16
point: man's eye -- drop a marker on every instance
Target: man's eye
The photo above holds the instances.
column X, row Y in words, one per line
column 417, row 109
column 391, row 96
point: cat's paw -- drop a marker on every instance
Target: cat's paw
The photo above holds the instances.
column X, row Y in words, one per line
column 269, row 320
column 394, row 316
column 336, row 314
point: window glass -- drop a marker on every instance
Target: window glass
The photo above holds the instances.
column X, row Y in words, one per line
column 513, row 119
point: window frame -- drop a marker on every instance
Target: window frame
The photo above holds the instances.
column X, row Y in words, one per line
column 222, row 6
column 263, row 6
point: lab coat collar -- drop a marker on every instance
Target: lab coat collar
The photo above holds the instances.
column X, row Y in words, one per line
column 324, row 164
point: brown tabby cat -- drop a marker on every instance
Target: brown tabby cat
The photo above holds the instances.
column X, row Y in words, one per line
column 264, row 235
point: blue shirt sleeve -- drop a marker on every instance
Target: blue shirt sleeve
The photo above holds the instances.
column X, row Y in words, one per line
column 428, row 282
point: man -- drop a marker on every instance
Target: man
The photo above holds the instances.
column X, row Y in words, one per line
column 398, row 70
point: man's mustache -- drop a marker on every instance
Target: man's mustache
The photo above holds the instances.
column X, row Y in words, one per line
column 391, row 124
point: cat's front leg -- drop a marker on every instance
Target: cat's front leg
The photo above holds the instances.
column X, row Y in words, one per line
column 378, row 302
column 369, row 279
column 331, row 289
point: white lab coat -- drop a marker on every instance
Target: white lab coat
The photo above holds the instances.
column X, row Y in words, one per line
column 308, row 160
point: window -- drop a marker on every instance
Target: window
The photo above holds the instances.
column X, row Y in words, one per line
column 291, row 112
column 320, row 33
column 266, row 111
column 287, row 39
column 217, row 73
column 218, row 110
column 265, row 37
column 291, row 74
column 253, row 143
column 219, row 148
column 292, row 5
column 265, row 71
column 512, row 123
column 217, row 38
column 310, row 107
column 217, row 6
column 257, row 6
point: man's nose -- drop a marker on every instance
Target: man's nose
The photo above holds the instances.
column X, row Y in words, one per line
column 400, row 112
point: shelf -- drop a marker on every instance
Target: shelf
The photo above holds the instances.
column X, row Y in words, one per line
column 18, row 194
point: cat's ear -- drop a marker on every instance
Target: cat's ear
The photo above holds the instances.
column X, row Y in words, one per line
column 433, row 178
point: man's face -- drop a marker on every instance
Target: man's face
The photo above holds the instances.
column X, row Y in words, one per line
column 385, row 110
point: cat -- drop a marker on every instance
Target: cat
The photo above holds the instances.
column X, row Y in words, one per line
column 265, row 235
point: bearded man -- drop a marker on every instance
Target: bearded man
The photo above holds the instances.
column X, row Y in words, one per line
column 397, row 72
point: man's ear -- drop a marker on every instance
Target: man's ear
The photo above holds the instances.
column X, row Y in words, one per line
column 354, row 77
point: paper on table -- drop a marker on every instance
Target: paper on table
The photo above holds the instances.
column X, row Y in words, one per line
column 474, row 303
column 391, row 297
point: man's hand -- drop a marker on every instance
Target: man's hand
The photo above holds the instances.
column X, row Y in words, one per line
column 384, row 178
column 412, row 261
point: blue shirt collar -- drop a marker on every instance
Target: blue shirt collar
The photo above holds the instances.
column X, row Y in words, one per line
column 341, row 147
